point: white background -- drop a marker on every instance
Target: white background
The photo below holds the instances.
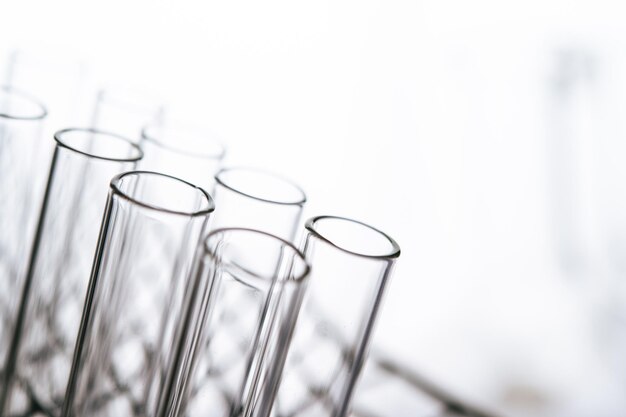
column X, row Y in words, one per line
column 436, row 122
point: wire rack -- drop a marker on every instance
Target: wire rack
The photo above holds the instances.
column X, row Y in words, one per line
column 389, row 388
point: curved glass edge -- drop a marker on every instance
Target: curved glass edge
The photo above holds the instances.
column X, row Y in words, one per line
column 394, row 254
column 58, row 137
column 120, row 193
column 221, row 231
column 43, row 111
column 299, row 202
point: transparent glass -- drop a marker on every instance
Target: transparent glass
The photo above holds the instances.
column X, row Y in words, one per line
column 59, row 79
column 136, row 306
column 253, row 284
column 351, row 267
column 56, row 277
column 21, row 119
column 257, row 199
column 188, row 152
column 126, row 111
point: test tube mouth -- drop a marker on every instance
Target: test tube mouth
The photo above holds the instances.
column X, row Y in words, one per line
column 353, row 237
column 236, row 246
column 184, row 140
column 261, row 185
column 98, row 144
column 18, row 105
column 162, row 193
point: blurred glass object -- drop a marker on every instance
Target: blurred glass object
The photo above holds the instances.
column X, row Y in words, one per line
column 50, row 304
column 21, row 123
column 257, row 199
column 59, row 79
column 126, row 111
column 571, row 116
column 188, row 152
column 138, row 296
column 351, row 266
column 254, row 286
column 588, row 198
column 586, row 149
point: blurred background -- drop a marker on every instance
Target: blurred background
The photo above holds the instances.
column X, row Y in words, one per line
column 487, row 137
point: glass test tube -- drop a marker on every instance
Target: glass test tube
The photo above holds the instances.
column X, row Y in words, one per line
column 258, row 199
column 138, row 296
column 236, row 357
column 188, row 152
column 21, row 123
column 55, row 280
column 351, row 266
column 126, row 111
